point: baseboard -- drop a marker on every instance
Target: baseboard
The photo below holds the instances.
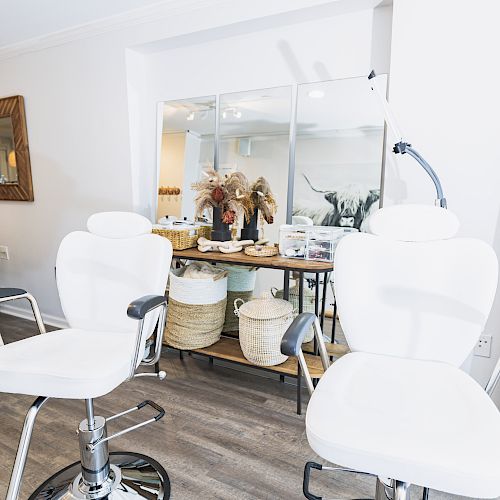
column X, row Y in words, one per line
column 20, row 312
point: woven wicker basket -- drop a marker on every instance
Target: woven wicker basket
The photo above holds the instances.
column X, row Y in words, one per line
column 240, row 285
column 263, row 322
column 196, row 309
column 261, row 251
column 184, row 238
column 308, row 306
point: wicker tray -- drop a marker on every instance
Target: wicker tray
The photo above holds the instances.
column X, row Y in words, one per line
column 184, row 238
column 261, row 251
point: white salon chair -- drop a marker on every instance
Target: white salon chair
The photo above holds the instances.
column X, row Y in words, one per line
column 413, row 300
column 111, row 283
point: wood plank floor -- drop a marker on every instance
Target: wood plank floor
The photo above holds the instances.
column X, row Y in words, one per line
column 228, row 435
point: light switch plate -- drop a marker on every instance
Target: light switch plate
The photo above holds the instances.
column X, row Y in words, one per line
column 483, row 346
column 4, row 252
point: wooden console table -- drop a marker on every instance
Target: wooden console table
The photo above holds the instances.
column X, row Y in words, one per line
column 228, row 348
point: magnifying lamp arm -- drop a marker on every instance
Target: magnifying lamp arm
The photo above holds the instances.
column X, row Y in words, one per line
column 404, row 147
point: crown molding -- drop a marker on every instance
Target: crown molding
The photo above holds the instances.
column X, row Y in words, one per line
column 134, row 17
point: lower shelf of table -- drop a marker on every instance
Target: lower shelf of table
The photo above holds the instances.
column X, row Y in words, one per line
column 229, row 349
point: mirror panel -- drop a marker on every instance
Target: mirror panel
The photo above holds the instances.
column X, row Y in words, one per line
column 187, row 146
column 254, row 134
column 15, row 169
column 8, row 162
column 338, row 153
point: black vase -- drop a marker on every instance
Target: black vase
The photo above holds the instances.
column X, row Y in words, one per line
column 250, row 231
column 220, row 231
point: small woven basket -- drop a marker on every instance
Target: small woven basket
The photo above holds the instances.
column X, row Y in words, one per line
column 182, row 239
column 308, row 306
column 196, row 309
column 263, row 322
column 261, row 251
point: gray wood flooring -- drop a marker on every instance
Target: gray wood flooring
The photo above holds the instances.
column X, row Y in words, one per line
column 227, row 434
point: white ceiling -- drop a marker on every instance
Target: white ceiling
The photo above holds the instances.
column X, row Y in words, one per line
column 25, row 19
column 345, row 105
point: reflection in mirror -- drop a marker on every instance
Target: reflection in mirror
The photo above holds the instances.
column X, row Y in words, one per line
column 339, row 151
column 254, row 129
column 187, row 147
column 8, row 162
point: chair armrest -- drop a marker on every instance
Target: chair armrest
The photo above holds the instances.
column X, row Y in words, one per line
column 7, row 294
column 291, row 343
column 140, row 307
column 11, row 293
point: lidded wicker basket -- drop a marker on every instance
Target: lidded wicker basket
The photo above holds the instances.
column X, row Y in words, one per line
column 263, row 322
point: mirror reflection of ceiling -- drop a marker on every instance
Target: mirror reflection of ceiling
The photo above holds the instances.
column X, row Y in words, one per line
column 336, row 107
column 196, row 115
column 322, row 108
column 255, row 112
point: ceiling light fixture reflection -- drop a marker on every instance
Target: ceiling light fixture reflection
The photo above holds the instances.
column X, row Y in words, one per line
column 231, row 111
column 316, row 94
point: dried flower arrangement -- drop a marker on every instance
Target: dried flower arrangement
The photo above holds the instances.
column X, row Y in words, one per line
column 229, row 193
column 234, row 196
column 263, row 200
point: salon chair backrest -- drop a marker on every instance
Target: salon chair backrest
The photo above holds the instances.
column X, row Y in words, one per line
column 101, row 271
column 411, row 289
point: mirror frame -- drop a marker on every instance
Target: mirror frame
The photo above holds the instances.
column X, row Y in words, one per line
column 13, row 108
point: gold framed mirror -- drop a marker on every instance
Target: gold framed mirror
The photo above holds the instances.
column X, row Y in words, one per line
column 15, row 168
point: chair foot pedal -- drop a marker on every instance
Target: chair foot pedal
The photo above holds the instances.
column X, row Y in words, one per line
column 307, row 478
column 314, row 465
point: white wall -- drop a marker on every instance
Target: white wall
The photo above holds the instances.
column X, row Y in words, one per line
column 444, row 88
column 76, row 106
column 81, row 113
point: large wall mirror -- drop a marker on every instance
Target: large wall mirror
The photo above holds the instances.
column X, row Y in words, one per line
column 337, row 146
column 254, row 134
column 15, row 170
column 187, row 146
column 338, row 153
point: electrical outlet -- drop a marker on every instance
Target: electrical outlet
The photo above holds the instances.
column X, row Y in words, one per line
column 483, row 346
column 4, row 252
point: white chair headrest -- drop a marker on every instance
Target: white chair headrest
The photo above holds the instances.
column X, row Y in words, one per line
column 414, row 223
column 118, row 225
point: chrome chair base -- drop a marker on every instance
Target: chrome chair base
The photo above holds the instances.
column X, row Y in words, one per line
column 133, row 476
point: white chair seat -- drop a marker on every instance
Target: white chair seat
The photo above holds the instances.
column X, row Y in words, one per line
column 423, row 422
column 71, row 363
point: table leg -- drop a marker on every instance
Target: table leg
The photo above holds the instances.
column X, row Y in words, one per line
column 334, row 320
column 301, row 292
column 286, row 285
column 326, row 278
column 282, row 379
column 316, row 309
column 299, row 389
column 181, row 354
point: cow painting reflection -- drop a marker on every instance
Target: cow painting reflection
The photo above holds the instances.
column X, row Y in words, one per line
column 339, row 150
